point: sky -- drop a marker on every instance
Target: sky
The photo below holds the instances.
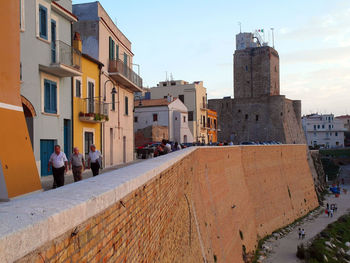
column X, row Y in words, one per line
column 195, row 40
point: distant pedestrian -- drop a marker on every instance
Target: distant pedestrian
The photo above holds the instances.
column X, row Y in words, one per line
column 299, row 231
column 94, row 160
column 331, row 212
column 327, row 206
column 302, row 233
column 77, row 163
column 59, row 163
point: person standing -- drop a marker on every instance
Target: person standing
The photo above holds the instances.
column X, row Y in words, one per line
column 59, row 163
column 94, row 160
column 302, row 233
column 299, row 233
column 78, row 164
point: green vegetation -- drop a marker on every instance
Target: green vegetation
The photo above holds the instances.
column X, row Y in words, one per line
column 329, row 245
column 335, row 152
column 330, row 168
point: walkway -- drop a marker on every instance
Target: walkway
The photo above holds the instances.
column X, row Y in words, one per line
column 284, row 249
column 47, row 181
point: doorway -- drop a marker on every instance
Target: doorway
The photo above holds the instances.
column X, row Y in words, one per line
column 88, row 141
column 111, row 146
column 124, row 149
column 67, row 136
column 46, row 149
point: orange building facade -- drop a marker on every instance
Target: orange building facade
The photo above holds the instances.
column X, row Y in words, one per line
column 18, row 172
column 212, row 125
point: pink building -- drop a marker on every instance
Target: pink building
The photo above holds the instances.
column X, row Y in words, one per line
column 103, row 41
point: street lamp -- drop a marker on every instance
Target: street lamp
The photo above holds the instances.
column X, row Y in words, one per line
column 114, row 91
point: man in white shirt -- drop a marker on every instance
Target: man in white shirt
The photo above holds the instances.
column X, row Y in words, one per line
column 94, row 160
column 59, row 163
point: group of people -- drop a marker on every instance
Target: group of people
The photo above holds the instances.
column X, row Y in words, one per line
column 331, row 209
column 165, row 147
column 301, row 233
column 59, row 163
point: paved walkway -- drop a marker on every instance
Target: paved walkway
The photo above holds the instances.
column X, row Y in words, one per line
column 284, row 249
column 47, row 181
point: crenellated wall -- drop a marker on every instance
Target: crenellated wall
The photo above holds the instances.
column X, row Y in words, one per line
column 202, row 204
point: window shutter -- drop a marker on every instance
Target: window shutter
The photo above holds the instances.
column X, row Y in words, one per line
column 117, row 51
column 110, row 48
column 43, row 22
column 54, row 97
column 113, row 56
column 46, row 96
column 126, row 106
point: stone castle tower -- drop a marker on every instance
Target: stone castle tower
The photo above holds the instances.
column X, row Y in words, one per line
column 258, row 112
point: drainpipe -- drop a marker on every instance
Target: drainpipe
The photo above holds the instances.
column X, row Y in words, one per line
column 102, row 127
column 72, row 96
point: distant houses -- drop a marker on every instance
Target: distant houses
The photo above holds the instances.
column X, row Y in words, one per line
column 323, row 130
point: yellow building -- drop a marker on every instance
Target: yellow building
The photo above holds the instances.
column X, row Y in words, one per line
column 212, row 125
column 88, row 109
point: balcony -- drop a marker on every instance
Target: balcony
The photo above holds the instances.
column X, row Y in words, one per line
column 121, row 73
column 65, row 60
column 93, row 111
column 204, row 106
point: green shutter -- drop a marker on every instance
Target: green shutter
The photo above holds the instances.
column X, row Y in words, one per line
column 113, row 54
column 126, row 106
column 117, row 51
column 110, row 48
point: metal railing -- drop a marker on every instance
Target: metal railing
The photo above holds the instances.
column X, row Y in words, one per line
column 93, row 109
column 118, row 66
column 63, row 53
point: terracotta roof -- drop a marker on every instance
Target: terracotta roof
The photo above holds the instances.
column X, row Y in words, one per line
column 65, row 10
column 152, row 103
column 343, row 117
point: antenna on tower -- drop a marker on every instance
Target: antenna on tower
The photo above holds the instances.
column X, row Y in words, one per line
column 273, row 38
column 240, row 27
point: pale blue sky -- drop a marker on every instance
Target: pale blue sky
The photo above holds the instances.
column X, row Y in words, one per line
column 195, row 40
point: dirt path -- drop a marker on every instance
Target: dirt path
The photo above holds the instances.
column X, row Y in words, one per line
column 284, row 249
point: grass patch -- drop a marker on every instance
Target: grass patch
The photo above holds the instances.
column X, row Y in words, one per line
column 337, row 234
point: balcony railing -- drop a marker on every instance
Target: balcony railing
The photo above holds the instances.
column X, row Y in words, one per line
column 62, row 53
column 65, row 60
column 92, row 110
column 124, row 74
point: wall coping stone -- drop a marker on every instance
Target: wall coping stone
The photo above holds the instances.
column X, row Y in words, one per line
column 29, row 222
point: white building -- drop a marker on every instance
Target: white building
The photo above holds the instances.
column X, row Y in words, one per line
column 168, row 112
column 194, row 96
column 323, row 130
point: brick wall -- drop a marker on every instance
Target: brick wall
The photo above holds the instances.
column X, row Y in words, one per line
column 197, row 205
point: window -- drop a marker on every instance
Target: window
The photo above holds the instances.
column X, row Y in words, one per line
column 184, row 118
column 126, row 105
column 315, row 127
column 117, row 51
column 323, row 126
column 155, row 117
column 43, row 22
column 182, row 98
column 50, row 96
column 256, row 117
column 135, row 119
column 190, row 116
column 329, row 126
column 336, row 133
column 203, row 121
column 173, row 83
column 208, row 122
column 318, row 126
column 164, row 84
column 111, row 49
column 91, row 95
column 246, row 116
column 125, row 59
column 214, row 123
column 165, row 97
column 78, row 88
column 113, row 102
column 246, row 68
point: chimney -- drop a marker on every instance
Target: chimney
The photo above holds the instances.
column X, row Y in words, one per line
column 77, row 42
